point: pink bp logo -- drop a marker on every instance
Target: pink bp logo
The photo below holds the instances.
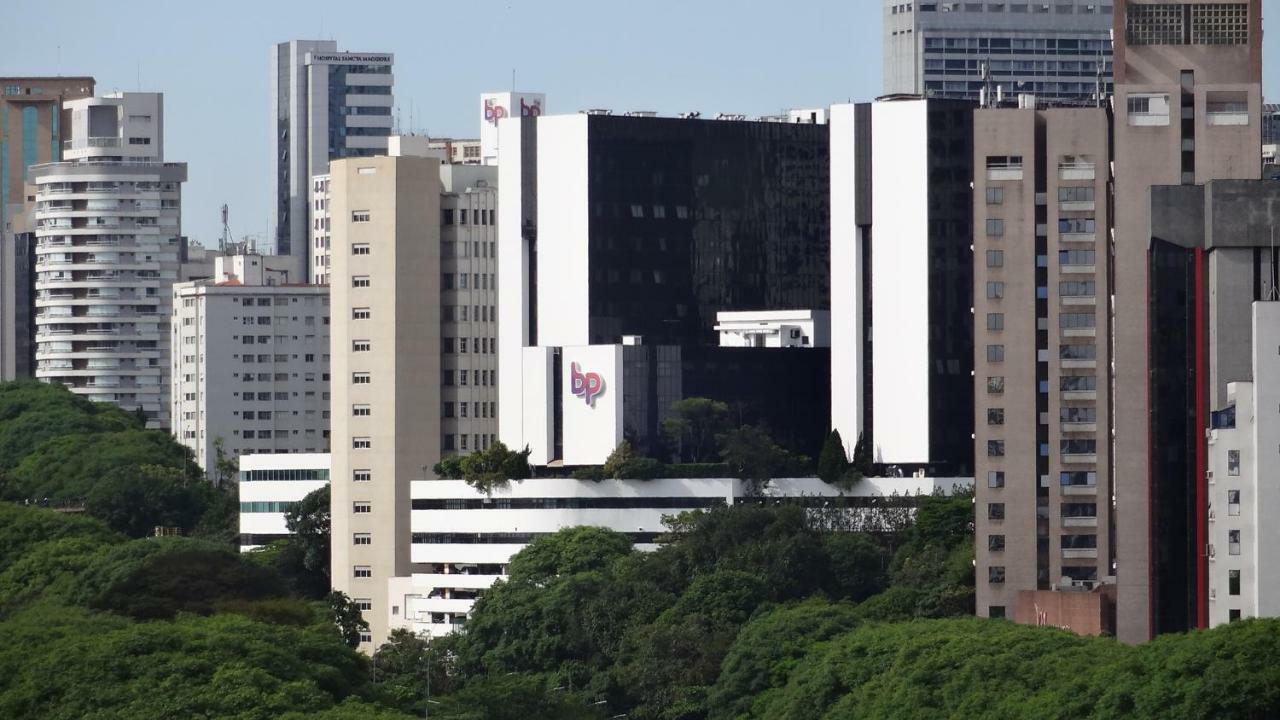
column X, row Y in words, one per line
column 588, row 386
column 494, row 112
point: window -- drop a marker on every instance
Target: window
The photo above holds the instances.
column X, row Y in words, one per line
column 1075, row 415
column 1233, row 582
column 995, row 321
column 361, row 475
column 1076, row 226
column 995, row 448
column 995, row 574
column 1078, row 383
column 1076, row 321
column 995, row 258
column 1079, row 478
column 1074, row 194
column 363, row 604
column 995, row 511
column 1079, row 510
column 361, row 506
column 1233, row 502
column 995, row 227
column 360, row 346
column 995, row 478
column 359, row 248
column 1078, row 352
column 1233, row 462
column 1077, row 257
column 362, row 539
column 995, row 543
column 995, row 290
column 360, row 313
column 363, row 571
column 361, row 410
column 995, row 196
column 361, row 443
column 360, row 281
column 995, row 385
column 1233, row 615
column 361, row 378
column 1079, row 542
column 996, row 612
column 995, row 353
column 1233, row 542
column 359, row 216
column 1148, row 109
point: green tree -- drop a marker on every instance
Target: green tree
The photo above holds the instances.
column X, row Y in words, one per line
column 449, row 467
column 493, row 467
column 693, row 426
column 66, row 468
column 136, row 499
column 861, row 460
column 752, row 456
column 61, row 662
column 309, row 521
column 347, row 618
column 157, row 578
column 832, row 462
column 226, row 469
column 32, row 412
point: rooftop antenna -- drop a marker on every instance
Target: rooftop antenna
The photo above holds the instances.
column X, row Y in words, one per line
column 138, row 66
column 513, row 79
column 225, row 241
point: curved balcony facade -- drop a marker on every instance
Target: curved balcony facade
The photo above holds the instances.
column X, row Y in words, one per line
column 108, row 249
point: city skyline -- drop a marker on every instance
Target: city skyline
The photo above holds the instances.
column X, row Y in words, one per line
column 212, row 64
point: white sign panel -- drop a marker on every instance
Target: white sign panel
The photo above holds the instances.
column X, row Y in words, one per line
column 591, row 399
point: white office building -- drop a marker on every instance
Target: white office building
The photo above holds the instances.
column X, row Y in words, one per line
column 109, row 246
column 269, row 485
column 325, row 105
column 250, row 362
column 901, row 274
column 463, row 541
column 1244, row 539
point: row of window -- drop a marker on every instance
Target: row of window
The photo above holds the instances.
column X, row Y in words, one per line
column 484, row 378
column 468, row 281
column 481, row 345
column 478, row 216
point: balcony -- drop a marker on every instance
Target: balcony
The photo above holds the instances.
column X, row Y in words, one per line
column 1227, row 113
column 1079, row 553
column 997, row 172
column 1076, row 171
column 1079, row 489
column 1079, row 300
column 1079, row 427
column 1080, row 459
column 1077, row 269
column 1078, row 522
column 1076, row 237
column 1077, row 206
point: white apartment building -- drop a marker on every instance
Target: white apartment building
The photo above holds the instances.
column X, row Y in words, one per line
column 109, row 246
column 250, row 362
column 320, row 230
column 1244, row 568
column 269, row 485
column 325, row 105
column 463, row 540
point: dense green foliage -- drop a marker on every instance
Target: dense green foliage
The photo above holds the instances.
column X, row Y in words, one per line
column 486, row 469
column 694, row 425
column 59, row 449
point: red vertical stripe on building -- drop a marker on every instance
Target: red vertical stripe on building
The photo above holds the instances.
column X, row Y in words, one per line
column 1201, row 389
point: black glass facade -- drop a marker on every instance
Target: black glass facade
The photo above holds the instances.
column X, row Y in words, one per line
column 950, row 127
column 692, row 217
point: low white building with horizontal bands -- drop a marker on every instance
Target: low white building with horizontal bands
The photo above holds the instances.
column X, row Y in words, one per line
column 463, row 540
column 269, row 485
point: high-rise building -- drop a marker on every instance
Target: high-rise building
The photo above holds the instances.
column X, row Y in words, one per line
column 623, row 238
column 250, row 362
column 413, row 279
column 1122, row 388
column 109, row 246
column 1056, row 51
column 325, row 105
column 1041, row 357
column 901, row 273
column 1188, row 103
column 31, row 133
column 1243, row 567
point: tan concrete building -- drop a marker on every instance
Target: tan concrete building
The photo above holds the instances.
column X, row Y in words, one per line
column 385, row 288
column 32, row 132
column 1068, row 495
column 1041, row 354
column 1188, row 104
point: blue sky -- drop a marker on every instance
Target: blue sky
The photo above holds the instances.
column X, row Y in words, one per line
column 211, row 61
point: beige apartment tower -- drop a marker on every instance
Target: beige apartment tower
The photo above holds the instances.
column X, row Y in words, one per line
column 1041, row 354
column 385, row 289
column 1188, row 104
